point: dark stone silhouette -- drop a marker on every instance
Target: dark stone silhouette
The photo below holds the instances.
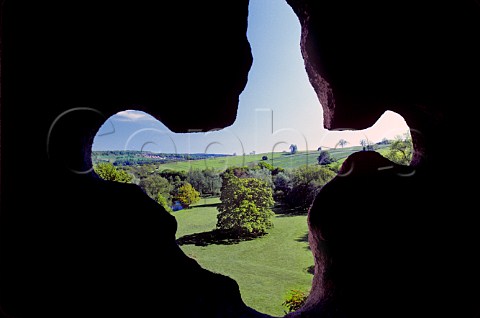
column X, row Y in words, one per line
column 404, row 242
column 74, row 245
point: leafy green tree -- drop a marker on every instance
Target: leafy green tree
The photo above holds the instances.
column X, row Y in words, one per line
column 371, row 146
column 265, row 165
column 293, row 149
column 335, row 166
column 268, row 166
column 142, row 171
column 108, row 171
column 213, row 182
column 305, row 183
column 368, row 145
column 208, row 181
column 311, row 174
column 342, row 142
column 401, row 150
column 176, row 182
column 262, row 174
column 282, row 185
column 164, row 202
column 187, row 195
column 173, row 175
column 154, row 185
column 197, row 179
column 364, row 143
column 324, row 158
column 245, row 207
column 239, row 172
column 384, row 141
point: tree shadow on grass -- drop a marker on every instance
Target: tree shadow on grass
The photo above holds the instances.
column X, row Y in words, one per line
column 218, row 237
column 283, row 211
column 203, row 204
column 304, row 238
column 206, row 205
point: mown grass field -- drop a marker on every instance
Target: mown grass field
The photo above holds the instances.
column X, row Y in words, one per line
column 277, row 159
column 265, row 268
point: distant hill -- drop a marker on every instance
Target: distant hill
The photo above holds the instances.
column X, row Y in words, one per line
column 221, row 162
column 134, row 157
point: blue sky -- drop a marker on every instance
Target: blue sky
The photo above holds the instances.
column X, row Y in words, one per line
column 277, row 108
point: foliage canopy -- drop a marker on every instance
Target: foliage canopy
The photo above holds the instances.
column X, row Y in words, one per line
column 245, row 207
column 187, row 195
column 401, row 150
column 108, row 171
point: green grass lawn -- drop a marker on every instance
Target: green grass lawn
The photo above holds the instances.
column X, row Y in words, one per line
column 277, row 159
column 265, row 268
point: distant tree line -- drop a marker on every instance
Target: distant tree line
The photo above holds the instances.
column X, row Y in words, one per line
column 400, row 150
column 134, row 157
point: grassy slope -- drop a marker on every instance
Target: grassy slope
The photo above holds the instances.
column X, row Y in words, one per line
column 265, row 268
column 277, row 159
column 284, row 160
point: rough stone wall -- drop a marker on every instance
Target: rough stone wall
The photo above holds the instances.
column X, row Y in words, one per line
column 389, row 242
